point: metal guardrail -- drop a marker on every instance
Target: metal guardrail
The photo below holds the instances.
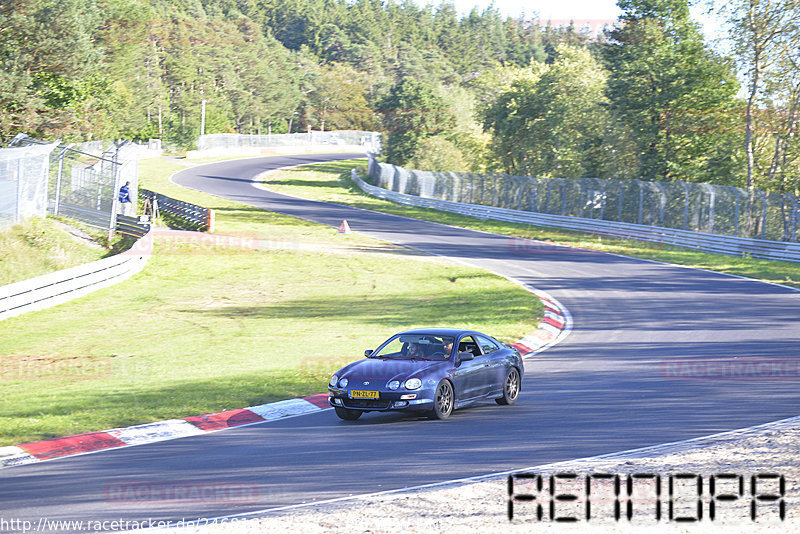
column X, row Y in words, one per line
column 62, row 286
column 694, row 207
column 720, row 244
column 132, row 226
column 194, row 216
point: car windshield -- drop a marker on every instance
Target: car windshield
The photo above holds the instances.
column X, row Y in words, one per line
column 416, row 347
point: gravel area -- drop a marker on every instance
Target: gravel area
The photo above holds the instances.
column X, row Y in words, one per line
column 482, row 505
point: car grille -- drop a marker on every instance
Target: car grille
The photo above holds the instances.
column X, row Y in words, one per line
column 372, row 404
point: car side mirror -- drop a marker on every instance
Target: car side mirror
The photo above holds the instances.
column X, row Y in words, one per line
column 465, row 356
column 368, row 352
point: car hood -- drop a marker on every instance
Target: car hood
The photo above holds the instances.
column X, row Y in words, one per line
column 388, row 369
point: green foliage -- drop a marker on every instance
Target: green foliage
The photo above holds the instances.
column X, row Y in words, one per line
column 47, row 52
column 412, row 111
column 338, row 99
column 765, row 37
column 438, row 154
column 551, row 122
column 81, row 69
column 671, row 90
column 505, row 94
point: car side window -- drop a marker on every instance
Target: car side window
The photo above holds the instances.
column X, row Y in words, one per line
column 468, row 344
column 487, row 345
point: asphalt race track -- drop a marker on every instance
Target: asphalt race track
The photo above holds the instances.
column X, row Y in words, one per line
column 611, row 385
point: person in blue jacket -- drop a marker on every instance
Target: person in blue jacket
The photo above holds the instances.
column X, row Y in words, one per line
column 125, row 198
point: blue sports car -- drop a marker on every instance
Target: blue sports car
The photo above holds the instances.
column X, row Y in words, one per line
column 436, row 371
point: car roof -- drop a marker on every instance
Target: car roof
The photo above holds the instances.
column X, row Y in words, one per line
column 455, row 332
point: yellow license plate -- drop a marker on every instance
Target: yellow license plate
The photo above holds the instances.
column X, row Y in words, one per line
column 355, row 394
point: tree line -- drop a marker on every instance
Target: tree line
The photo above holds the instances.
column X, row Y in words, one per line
column 647, row 99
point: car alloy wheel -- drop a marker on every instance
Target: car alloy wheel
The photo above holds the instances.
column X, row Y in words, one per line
column 347, row 415
column 443, row 401
column 510, row 388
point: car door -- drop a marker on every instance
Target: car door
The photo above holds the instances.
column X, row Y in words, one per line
column 495, row 370
column 471, row 376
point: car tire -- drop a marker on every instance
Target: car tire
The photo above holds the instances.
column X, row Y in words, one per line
column 346, row 414
column 443, row 401
column 511, row 387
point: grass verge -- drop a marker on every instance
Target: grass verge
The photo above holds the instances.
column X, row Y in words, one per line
column 214, row 323
column 331, row 182
column 40, row 246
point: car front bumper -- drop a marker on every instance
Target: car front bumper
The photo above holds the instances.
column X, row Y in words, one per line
column 386, row 401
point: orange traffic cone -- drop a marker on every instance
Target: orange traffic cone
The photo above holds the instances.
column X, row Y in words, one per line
column 344, row 228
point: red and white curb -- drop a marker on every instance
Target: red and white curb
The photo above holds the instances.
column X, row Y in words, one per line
column 49, row 449
column 555, row 325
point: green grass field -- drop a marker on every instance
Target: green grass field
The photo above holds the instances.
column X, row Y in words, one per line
column 40, row 246
column 216, row 323
column 336, row 186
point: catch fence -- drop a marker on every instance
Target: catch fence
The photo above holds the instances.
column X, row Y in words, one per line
column 367, row 141
column 696, row 207
column 24, row 173
column 81, row 181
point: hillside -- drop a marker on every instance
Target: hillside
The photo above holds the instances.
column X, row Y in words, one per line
column 39, row 246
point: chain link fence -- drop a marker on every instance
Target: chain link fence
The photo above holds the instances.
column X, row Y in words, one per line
column 708, row 208
column 24, row 173
column 368, row 141
column 81, row 181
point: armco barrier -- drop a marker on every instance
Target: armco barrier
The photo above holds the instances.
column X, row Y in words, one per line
column 193, row 216
column 720, row 244
column 62, row 286
column 132, row 226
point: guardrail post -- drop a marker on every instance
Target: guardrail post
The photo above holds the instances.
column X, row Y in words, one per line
column 736, row 213
column 603, row 185
column 18, row 207
column 763, row 212
column 685, row 204
column 661, row 204
column 59, row 178
column 112, row 225
column 641, row 200
column 210, row 220
column 711, row 198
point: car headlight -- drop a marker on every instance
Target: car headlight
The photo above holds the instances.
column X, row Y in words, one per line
column 343, row 383
column 333, row 381
column 413, row 383
column 393, row 385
